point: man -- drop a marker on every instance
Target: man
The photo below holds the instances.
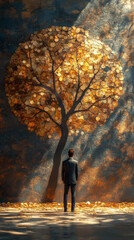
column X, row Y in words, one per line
column 69, row 177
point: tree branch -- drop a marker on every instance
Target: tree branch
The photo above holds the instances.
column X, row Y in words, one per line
column 85, row 90
column 41, row 110
column 75, row 104
column 60, row 64
column 47, row 87
column 40, row 83
column 87, row 109
column 31, row 65
column 61, row 105
column 36, row 114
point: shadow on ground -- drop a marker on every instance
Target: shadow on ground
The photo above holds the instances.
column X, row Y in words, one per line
column 53, row 225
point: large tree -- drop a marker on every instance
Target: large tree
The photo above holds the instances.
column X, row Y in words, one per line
column 61, row 81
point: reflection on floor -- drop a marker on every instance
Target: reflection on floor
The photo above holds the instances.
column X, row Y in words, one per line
column 109, row 224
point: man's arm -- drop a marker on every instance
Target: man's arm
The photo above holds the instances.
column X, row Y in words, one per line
column 76, row 171
column 62, row 172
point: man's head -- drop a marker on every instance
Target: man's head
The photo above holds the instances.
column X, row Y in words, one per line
column 71, row 152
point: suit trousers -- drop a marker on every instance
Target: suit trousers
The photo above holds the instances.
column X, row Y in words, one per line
column 73, row 190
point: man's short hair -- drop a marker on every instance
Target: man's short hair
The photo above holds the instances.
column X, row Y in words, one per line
column 71, row 152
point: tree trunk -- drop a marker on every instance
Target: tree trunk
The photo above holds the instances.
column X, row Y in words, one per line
column 53, row 180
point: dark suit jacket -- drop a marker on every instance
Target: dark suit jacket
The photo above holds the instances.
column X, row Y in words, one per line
column 69, row 171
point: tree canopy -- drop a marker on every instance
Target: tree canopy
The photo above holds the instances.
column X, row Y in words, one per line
column 62, row 74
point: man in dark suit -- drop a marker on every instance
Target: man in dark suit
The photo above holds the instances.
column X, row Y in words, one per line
column 69, row 177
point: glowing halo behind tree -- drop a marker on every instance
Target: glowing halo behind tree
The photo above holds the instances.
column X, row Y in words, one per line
column 61, row 81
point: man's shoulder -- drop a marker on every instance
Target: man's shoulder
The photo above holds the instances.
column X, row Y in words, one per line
column 71, row 160
column 74, row 161
column 65, row 161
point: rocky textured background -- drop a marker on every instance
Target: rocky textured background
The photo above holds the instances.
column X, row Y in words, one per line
column 106, row 155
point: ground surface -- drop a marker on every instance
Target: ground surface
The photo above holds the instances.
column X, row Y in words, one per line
column 93, row 221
